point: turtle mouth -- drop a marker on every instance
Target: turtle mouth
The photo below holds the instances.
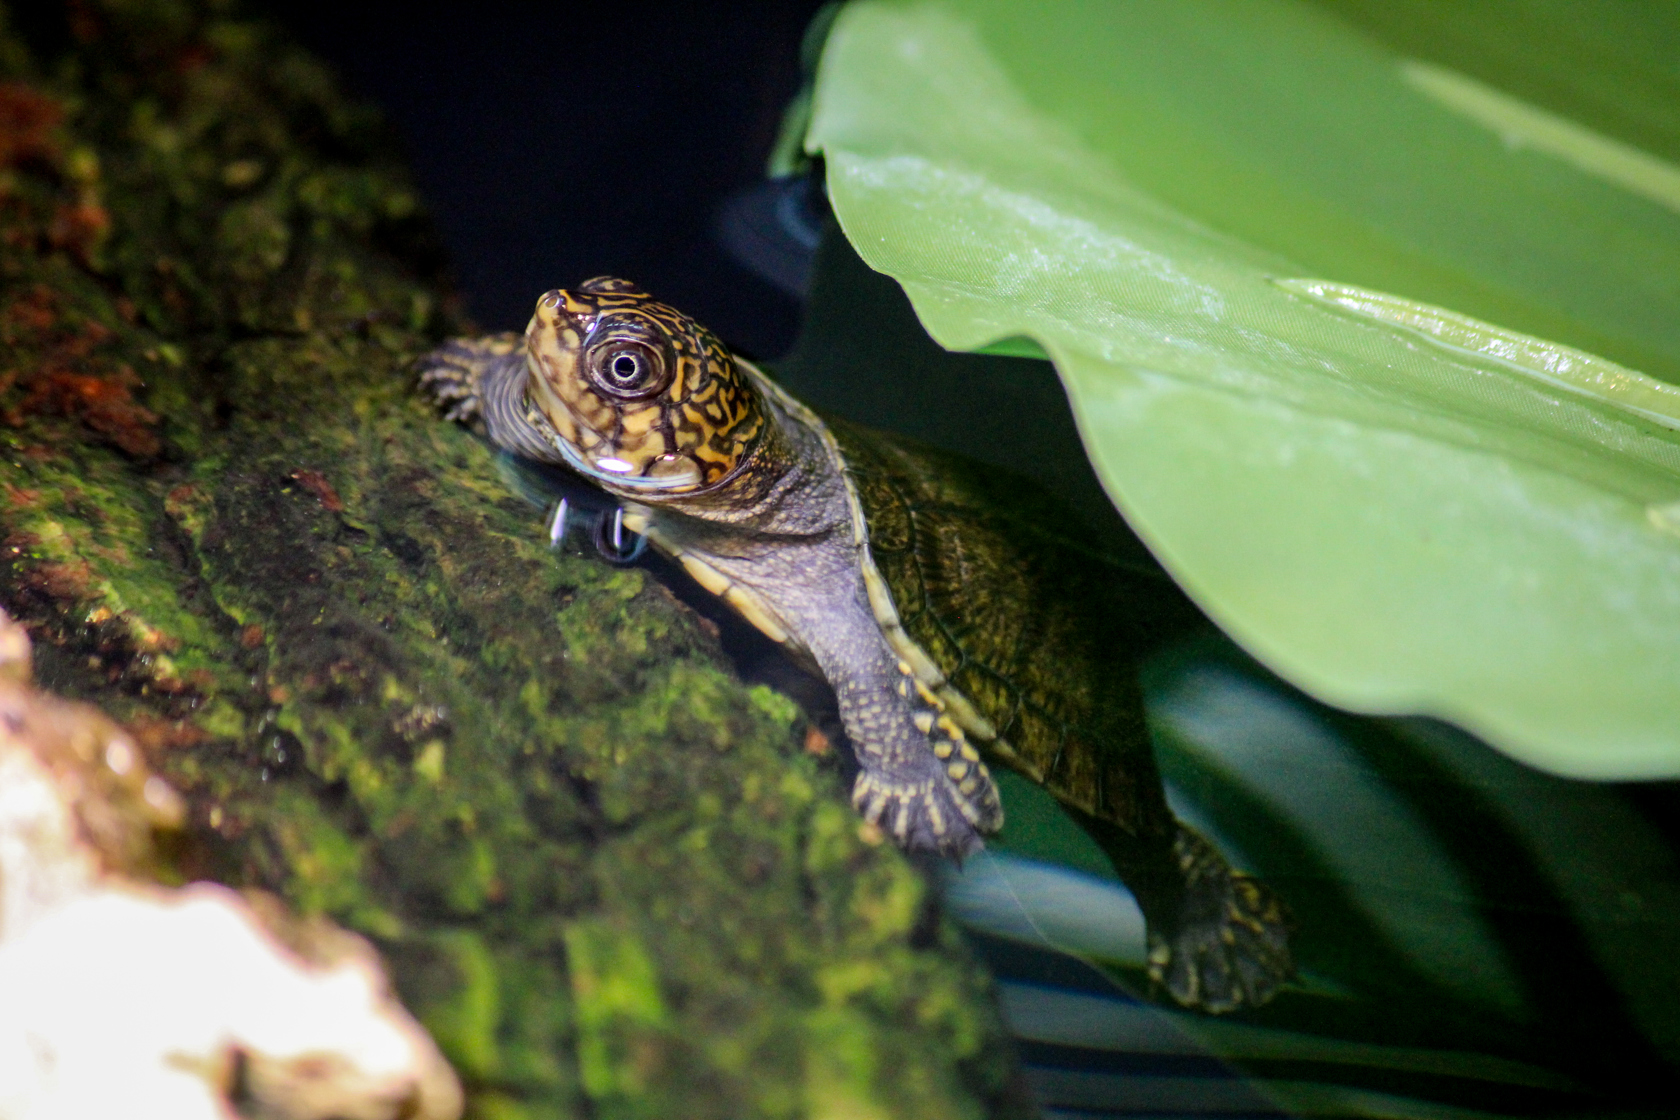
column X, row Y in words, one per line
column 683, row 480
column 669, row 471
column 683, row 477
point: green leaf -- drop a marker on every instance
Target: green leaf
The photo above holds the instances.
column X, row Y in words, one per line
column 1404, row 502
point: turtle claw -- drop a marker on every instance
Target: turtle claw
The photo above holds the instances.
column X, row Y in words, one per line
column 452, row 374
column 964, row 782
column 918, row 816
column 1230, row 948
column 449, row 376
column 923, row 783
column 614, row 542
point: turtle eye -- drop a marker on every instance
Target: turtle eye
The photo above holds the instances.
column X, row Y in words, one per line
column 628, row 369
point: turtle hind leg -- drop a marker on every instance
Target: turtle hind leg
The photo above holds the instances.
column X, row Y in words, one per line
column 1228, row 945
column 1218, row 939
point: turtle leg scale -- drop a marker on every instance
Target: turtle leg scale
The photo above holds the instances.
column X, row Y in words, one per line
column 480, row 382
column 453, row 374
column 1229, row 944
column 920, row 780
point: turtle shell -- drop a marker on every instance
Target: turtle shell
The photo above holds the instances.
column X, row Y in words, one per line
column 1039, row 636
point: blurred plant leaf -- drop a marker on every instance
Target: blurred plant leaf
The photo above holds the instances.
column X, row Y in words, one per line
column 1197, row 210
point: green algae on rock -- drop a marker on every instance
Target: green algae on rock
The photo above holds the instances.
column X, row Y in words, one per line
column 604, row 874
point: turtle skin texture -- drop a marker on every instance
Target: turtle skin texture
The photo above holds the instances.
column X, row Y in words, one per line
column 1001, row 627
column 1043, row 637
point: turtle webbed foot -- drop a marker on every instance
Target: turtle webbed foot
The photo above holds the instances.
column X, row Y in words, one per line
column 1230, row 945
column 918, row 815
column 453, row 374
column 922, row 782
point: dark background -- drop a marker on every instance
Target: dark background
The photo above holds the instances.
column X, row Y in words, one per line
column 558, row 142
column 555, row 142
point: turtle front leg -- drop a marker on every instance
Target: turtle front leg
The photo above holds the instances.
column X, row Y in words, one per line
column 480, row 382
column 455, row 373
column 920, row 779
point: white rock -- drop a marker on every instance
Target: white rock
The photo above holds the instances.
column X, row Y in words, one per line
column 124, row 998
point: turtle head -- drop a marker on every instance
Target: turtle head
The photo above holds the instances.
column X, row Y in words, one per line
column 638, row 396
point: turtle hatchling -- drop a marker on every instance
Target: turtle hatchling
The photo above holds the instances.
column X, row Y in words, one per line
column 956, row 635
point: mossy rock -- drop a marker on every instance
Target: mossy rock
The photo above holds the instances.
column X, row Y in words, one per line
column 604, row 869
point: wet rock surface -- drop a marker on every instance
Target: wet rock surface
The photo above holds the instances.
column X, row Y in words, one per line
column 603, row 871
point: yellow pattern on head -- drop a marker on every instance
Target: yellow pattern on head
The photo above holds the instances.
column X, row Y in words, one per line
column 638, row 396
